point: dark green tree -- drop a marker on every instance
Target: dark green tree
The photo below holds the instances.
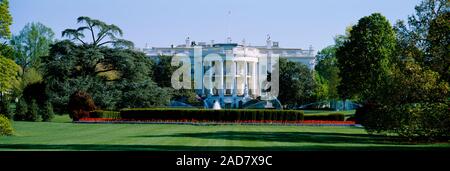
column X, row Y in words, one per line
column 439, row 50
column 99, row 32
column 5, row 109
column 47, row 112
column 162, row 74
column 21, row 110
column 33, row 112
column 163, row 70
column 365, row 59
column 296, row 83
column 115, row 77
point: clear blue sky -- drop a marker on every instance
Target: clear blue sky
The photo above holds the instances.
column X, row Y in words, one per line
column 294, row 23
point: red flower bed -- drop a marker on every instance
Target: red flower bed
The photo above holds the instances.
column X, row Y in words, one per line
column 193, row 121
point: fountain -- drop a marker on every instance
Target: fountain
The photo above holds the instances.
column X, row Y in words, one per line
column 216, row 105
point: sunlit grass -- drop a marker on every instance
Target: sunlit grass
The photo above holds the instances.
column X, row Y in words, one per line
column 62, row 134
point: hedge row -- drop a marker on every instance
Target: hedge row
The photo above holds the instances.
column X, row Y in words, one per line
column 104, row 114
column 211, row 115
column 328, row 117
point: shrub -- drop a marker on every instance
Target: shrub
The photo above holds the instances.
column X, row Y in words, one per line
column 5, row 126
column 328, row 117
column 5, row 109
column 80, row 104
column 36, row 91
column 416, row 121
column 104, row 114
column 33, row 112
column 230, row 115
column 47, row 112
column 424, row 121
column 21, row 110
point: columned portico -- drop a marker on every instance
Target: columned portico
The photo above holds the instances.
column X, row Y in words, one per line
column 234, row 80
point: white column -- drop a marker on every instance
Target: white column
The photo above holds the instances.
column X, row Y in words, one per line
column 234, row 72
column 221, row 83
column 254, row 75
column 245, row 73
column 210, row 79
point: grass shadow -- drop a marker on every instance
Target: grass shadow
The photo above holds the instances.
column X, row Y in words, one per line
column 105, row 147
column 292, row 137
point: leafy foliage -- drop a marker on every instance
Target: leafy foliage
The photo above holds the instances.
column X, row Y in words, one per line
column 439, row 50
column 5, row 126
column 6, row 51
column 21, row 110
column 408, row 97
column 417, row 121
column 162, row 73
column 5, row 19
column 425, row 38
column 104, row 114
column 106, row 33
column 411, row 83
column 328, row 72
column 115, row 77
column 163, row 70
column 365, row 60
column 80, row 104
column 8, row 74
column 36, row 91
column 5, row 109
column 47, row 113
column 297, row 83
column 33, row 112
column 33, row 42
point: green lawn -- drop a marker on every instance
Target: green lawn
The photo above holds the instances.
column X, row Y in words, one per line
column 64, row 135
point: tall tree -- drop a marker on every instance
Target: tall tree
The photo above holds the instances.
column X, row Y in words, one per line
column 439, row 50
column 33, row 42
column 297, row 83
column 416, row 32
column 425, row 36
column 327, row 67
column 99, row 33
column 365, row 59
column 5, row 33
column 115, row 77
column 5, row 20
column 163, row 70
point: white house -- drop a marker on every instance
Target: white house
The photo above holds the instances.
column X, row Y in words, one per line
column 238, row 70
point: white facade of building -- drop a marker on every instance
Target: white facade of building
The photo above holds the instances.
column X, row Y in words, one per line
column 236, row 71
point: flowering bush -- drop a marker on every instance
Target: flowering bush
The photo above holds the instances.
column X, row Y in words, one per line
column 5, row 126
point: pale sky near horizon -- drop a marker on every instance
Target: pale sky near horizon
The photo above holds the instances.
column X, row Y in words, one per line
column 294, row 23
